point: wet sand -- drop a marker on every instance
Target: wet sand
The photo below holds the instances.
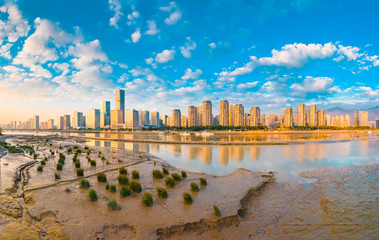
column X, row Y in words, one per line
column 342, row 204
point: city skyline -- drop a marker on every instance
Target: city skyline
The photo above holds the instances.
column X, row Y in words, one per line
column 174, row 54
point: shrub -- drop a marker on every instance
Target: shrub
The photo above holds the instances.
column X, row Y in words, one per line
column 124, row 191
column 203, row 181
column 67, row 190
column 165, row 171
column 40, row 168
column 135, row 186
column 88, row 159
column 135, row 174
column 77, row 165
column 75, row 147
column 88, row 153
column 187, row 198
column 176, row 177
column 69, row 150
column 147, row 199
column 61, row 161
column 84, row 184
column 118, row 160
column 78, row 151
column 157, row 174
column 59, row 166
column 194, row 187
column 112, row 205
column 43, row 162
column 101, row 177
column 93, row 163
column 35, row 155
column 92, row 195
column 162, row 193
column 75, row 158
column 107, row 187
column 103, row 158
column 57, row 176
column 155, row 163
column 107, row 162
column 86, row 148
column 123, row 179
column 46, row 159
column 113, row 188
column 216, row 211
column 123, row 171
column 80, row 172
column 184, row 174
column 170, row 181
column 99, row 152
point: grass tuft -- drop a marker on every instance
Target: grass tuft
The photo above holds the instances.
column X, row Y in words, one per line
column 165, row 171
column 112, row 205
column 157, row 174
column 184, row 174
column 57, row 176
column 80, row 172
column 92, row 195
column 135, row 186
column 123, row 179
column 162, row 193
column 124, row 191
column 194, row 187
column 113, row 188
column 216, row 211
column 40, row 168
column 59, row 166
column 85, row 184
column 123, row 171
column 135, row 174
column 203, row 181
column 176, row 177
column 170, row 181
column 147, row 199
column 101, row 177
column 187, row 198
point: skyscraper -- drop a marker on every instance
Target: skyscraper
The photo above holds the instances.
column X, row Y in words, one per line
column 144, row 118
column 116, row 118
column 288, row 117
column 255, row 117
column 207, row 113
column 224, row 113
column 300, row 114
column 320, row 118
column 231, row 115
column 60, row 122
column 199, row 116
column 66, row 122
column 191, row 116
column 176, row 114
column 50, row 124
column 361, row 118
column 120, row 102
column 239, row 115
column 105, row 112
column 77, row 120
column 163, row 120
column 93, row 118
column 312, row 115
column 272, row 120
column 36, row 122
column 183, row 121
column 132, row 118
column 154, row 119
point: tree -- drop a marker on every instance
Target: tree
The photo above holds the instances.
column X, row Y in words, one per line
column 0, row 132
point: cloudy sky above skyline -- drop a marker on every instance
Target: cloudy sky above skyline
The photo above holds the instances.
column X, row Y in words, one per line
column 60, row 56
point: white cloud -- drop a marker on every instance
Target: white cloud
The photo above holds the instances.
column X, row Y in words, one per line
column 136, row 35
column 15, row 26
column 189, row 46
column 296, row 55
column 230, row 76
column 152, row 28
column 315, row 85
column 133, row 15
column 212, row 45
column 374, row 59
column 4, row 51
column 247, row 85
column 189, row 74
column 174, row 16
column 115, row 6
column 165, row 56
column 352, row 53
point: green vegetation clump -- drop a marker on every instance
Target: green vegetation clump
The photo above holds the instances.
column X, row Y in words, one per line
column 194, row 187
column 216, row 211
column 12, row 149
column 78, row 151
column 77, row 165
column 75, row 158
column 69, row 150
column 123, row 171
column 184, row 174
column 155, row 163
column 203, row 181
column 187, row 198
column 85, row 184
column 93, row 163
column 40, row 168
column 147, row 199
column 86, row 148
column 107, row 187
column 112, row 205
column 43, row 162
column 102, row 158
column 123, row 179
column 92, row 195
column 162, row 193
column 135, row 186
column 67, row 190
column 46, row 159
column 107, row 162
column 101, row 177
column 124, row 191
column 35, row 155
column 165, row 171
column 61, row 161
column 113, row 188
column 57, row 176
column 170, row 181
column 176, row 177
column 59, row 166
column 157, row 174
column 75, row 147
column 80, row 172
column 135, row 174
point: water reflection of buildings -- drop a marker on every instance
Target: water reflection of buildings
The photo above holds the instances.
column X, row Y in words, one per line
column 207, row 154
column 255, row 152
column 224, row 155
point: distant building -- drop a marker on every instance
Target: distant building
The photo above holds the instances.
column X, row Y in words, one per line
column 312, row 116
column 199, row 116
column 50, row 124
column 66, row 122
column 207, row 113
column 93, row 118
column 361, row 118
column 105, row 113
column 36, row 122
column 300, row 114
column 328, row 120
column 231, row 115
column 117, row 118
column 183, row 121
column 163, row 120
column 224, row 113
column 77, row 120
column 216, row 120
column 246, row 119
column 192, row 115
column 154, row 119
column 377, row 123
column 120, row 102
column 239, row 115
column 288, row 117
column 272, row 118
column 132, row 118
column 321, row 118
column 144, row 118
column 60, row 122
column 176, row 114
column 255, row 117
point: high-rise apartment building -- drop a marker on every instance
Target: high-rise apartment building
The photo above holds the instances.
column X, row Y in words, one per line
column 144, row 118
column 163, row 120
column 224, row 113
column 348, row 123
column 300, row 115
column 207, row 113
column 320, row 118
column 199, row 116
column 66, row 122
column 117, row 118
column 132, row 118
column 154, row 119
column 288, row 117
column 183, row 121
column 272, row 118
column 231, row 115
column 328, row 120
column 36, row 122
column 77, row 120
column 105, row 113
column 312, row 115
column 246, row 119
column 255, row 116
column 361, row 118
column 60, row 122
column 50, row 124
column 93, row 118
column 192, row 116
column 176, row 114
column 120, row 102
column 239, row 115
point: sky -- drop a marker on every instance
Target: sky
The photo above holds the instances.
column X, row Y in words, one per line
column 57, row 57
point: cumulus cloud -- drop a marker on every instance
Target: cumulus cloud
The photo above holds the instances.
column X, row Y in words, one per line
column 115, row 6
column 298, row 54
column 5, row 51
column 315, row 85
column 231, row 76
column 189, row 74
column 189, row 46
column 175, row 13
column 247, row 85
column 374, row 59
column 15, row 26
column 152, row 28
column 352, row 53
column 165, row 56
column 136, row 35
column 212, row 45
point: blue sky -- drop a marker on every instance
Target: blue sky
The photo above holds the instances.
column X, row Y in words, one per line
column 60, row 56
